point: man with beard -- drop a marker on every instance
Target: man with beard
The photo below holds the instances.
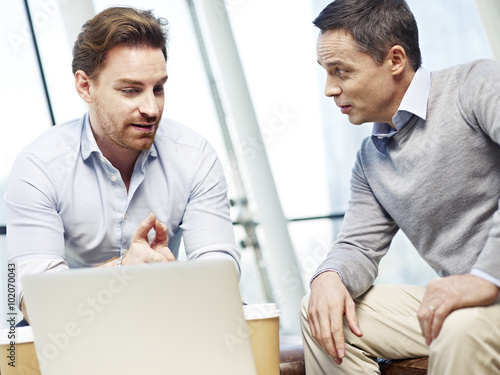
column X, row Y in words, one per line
column 88, row 192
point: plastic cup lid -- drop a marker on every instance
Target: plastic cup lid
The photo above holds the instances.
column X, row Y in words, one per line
column 260, row 311
column 21, row 335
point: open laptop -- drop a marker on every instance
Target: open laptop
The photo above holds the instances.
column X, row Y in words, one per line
column 175, row 318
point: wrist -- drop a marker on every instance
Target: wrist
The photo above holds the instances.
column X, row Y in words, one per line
column 119, row 262
column 322, row 273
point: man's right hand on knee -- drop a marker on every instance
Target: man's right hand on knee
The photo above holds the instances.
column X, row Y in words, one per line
column 329, row 302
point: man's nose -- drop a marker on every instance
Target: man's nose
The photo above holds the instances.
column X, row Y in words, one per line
column 149, row 105
column 332, row 88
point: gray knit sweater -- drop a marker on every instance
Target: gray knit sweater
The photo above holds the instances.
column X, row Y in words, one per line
column 439, row 183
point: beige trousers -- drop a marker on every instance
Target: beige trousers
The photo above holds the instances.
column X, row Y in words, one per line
column 468, row 344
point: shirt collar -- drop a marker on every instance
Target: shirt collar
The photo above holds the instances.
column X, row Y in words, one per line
column 414, row 103
column 89, row 144
column 415, row 99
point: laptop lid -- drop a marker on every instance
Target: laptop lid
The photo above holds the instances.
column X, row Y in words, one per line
column 174, row 318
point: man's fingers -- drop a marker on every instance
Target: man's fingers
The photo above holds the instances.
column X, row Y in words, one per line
column 141, row 251
column 327, row 328
column 161, row 236
column 328, row 304
column 165, row 251
column 352, row 318
column 160, row 241
column 440, row 314
column 422, row 317
column 337, row 333
column 141, row 233
column 426, row 316
column 322, row 333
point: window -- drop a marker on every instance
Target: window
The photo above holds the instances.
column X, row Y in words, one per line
column 310, row 145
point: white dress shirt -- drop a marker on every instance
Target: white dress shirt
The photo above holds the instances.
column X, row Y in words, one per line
column 68, row 207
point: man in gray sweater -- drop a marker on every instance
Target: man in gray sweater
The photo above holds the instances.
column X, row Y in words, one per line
column 432, row 169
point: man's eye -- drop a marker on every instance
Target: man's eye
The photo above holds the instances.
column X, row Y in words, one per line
column 340, row 72
column 158, row 90
column 130, row 91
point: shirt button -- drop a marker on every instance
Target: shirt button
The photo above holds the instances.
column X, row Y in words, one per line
column 380, row 137
column 125, row 216
column 113, row 178
column 103, row 160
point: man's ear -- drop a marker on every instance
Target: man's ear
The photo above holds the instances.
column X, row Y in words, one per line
column 83, row 85
column 398, row 59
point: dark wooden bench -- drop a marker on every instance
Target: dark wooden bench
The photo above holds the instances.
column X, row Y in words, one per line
column 292, row 360
column 292, row 356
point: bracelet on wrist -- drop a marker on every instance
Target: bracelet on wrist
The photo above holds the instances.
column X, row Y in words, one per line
column 120, row 259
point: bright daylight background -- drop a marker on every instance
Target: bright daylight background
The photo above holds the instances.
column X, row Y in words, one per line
column 310, row 145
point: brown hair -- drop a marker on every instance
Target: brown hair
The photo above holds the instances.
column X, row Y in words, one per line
column 376, row 25
column 116, row 26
